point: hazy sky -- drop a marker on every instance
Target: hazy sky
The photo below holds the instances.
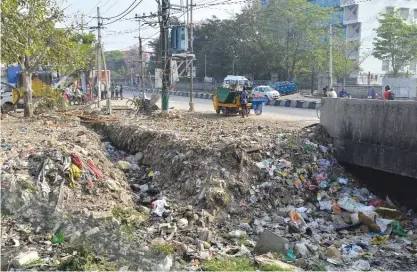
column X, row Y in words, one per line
column 121, row 34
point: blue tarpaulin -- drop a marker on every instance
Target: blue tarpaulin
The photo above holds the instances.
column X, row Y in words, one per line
column 13, row 74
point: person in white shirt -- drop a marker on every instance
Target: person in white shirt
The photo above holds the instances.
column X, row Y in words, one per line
column 332, row 93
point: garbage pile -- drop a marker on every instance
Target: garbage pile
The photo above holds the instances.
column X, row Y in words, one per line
column 57, row 190
column 217, row 198
column 185, row 192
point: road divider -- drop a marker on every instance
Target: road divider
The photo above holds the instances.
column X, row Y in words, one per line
column 304, row 104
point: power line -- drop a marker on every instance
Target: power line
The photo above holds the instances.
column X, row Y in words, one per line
column 94, row 7
column 124, row 15
column 117, row 1
column 122, row 12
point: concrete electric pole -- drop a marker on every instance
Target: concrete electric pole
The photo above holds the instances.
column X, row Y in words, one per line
column 192, row 60
column 142, row 88
column 165, row 64
column 98, row 57
column 108, row 104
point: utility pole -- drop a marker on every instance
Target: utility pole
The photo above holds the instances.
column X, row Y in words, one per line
column 108, row 83
column 205, row 65
column 192, row 57
column 165, row 65
column 331, row 57
column 98, row 57
column 140, row 60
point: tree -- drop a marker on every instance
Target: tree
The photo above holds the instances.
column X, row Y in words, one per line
column 30, row 39
column 295, row 30
column 115, row 61
column 343, row 63
column 396, row 41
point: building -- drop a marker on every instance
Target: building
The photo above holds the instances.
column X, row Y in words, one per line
column 338, row 15
column 361, row 20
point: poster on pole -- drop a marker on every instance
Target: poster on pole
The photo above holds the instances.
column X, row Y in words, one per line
column 158, row 78
column 174, row 71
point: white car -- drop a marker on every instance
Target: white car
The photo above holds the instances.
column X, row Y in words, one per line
column 266, row 91
column 6, row 97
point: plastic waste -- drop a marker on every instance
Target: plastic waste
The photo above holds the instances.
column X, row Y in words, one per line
column 343, row 181
column 237, row 233
column 388, row 213
column 348, row 204
column 397, row 229
column 325, row 205
column 75, row 173
column 158, row 207
column 323, row 163
column 377, row 202
column 323, row 149
column 336, row 209
column 384, row 225
column 361, row 265
column 291, row 255
column 6, row 146
column 124, row 165
column 378, row 239
column 59, row 239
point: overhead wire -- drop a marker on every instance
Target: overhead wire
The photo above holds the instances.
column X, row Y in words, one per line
column 123, row 15
column 117, row 1
column 123, row 11
column 88, row 13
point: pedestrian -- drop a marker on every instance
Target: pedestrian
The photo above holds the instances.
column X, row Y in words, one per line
column 112, row 91
column 244, row 102
column 332, row 93
column 325, row 91
column 372, row 94
column 388, row 95
column 117, row 92
column 121, row 92
column 343, row 93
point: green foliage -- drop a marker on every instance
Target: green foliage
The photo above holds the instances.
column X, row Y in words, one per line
column 81, row 261
column 116, row 63
column 228, row 264
column 396, row 41
column 30, row 38
column 286, row 39
column 274, row 267
column 162, row 248
column 33, row 264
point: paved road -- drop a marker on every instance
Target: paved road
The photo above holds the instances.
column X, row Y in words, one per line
column 206, row 105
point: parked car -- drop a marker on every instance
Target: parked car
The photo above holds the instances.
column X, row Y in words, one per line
column 6, row 97
column 266, row 91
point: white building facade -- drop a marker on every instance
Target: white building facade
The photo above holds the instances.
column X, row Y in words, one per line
column 361, row 20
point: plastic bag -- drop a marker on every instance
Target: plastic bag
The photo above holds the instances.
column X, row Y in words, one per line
column 397, row 229
column 290, row 254
column 378, row 239
column 158, row 207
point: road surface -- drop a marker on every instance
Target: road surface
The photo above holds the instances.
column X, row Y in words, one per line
column 206, row 106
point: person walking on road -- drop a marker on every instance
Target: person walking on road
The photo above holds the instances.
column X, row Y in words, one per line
column 388, row 95
column 244, row 102
column 117, row 93
column 112, row 92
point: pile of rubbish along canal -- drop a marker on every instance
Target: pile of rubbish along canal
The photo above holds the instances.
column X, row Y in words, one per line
column 172, row 194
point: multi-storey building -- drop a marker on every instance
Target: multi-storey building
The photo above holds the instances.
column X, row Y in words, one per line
column 361, row 20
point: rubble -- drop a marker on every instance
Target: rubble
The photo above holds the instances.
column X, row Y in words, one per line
column 186, row 192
